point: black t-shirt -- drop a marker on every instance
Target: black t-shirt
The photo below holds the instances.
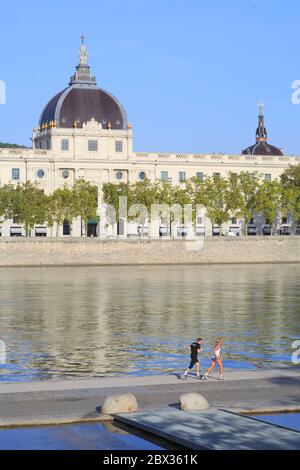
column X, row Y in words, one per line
column 194, row 350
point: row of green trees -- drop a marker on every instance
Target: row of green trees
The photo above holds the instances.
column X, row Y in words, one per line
column 28, row 205
column 240, row 195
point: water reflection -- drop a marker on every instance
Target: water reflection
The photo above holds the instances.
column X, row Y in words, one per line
column 89, row 436
column 76, row 322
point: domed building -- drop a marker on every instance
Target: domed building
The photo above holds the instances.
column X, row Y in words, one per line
column 83, row 133
column 83, row 121
column 262, row 147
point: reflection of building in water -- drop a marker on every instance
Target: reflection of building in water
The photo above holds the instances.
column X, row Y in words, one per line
column 83, row 133
column 91, row 321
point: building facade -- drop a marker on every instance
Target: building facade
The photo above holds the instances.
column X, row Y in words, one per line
column 84, row 133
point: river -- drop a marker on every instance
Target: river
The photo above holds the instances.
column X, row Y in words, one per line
column 94, row 321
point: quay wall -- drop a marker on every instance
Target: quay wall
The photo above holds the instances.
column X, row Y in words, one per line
column 211, row 250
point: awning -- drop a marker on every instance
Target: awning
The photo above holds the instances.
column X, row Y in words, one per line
column 40, row 230
column 94, row 220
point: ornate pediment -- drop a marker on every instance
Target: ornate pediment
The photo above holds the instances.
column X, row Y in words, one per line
column 92, row 125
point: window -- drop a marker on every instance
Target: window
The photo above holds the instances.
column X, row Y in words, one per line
column 66, row 228
column 119, row 175
column 199, row 176
column 200, row 220
column 48, row 145
column 164, row 175
column 268, row 177
column 284, row 220
column 119, row 146
column 142, row 175
column 15, row 174
column 182, row 176
column 40, row 173
column 65, row 144
column 65, row 174
column 93, row 146
column 217, row 175
column 234, row 221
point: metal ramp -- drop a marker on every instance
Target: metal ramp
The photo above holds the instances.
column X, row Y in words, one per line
column 212, row 430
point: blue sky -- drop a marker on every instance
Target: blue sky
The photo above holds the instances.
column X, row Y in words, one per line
column 189, row 73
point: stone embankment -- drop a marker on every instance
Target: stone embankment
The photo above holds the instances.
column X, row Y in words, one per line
column 92, row 252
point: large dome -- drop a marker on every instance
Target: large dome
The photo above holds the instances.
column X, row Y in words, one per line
column 83, row 100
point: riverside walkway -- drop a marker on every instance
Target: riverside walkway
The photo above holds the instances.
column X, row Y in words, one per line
column 213, row 430
column 80, row 400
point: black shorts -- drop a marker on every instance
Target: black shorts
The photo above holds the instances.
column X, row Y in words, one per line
column 194, row 360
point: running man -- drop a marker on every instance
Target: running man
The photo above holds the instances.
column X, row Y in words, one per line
column 195, row 349
column 216, row 359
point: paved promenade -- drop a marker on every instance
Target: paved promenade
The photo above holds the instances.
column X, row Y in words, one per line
column 79, row 400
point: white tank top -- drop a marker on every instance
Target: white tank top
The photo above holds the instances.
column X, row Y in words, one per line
column 218, row 352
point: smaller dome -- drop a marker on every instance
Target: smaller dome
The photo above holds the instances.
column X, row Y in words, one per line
column 262, row 147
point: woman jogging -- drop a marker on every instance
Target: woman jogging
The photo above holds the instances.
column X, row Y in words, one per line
column 216, row 359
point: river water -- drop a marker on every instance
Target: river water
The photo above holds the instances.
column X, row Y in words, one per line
column 92, row 321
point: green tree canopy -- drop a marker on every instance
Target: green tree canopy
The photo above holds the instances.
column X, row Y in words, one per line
column 62, row 207
column 28, row 205
column 217, row 199
column 269, row 200
column 85, row 199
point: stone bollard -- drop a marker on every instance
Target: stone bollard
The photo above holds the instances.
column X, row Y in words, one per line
column 193, row 402
column 125, row 403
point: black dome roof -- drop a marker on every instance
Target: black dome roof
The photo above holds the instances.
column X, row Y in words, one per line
column 80, row 103
column 83, row 100
column 262, row 147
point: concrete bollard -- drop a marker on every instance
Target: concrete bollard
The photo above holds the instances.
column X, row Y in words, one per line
column 125, row 403
column 193, row 401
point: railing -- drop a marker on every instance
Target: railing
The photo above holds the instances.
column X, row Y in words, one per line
column 259, row 159
column 24, row 152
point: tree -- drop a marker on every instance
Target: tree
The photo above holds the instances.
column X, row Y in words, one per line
column 28, row 205
column 85, row 199
column 114, row 195
column 144, row 195
column 291, row 177
column 247, row 186
column 217, row 199
column 196, row 189
column 6, row 198
column 175, row 198
column 62, row 207
column 269, row 200
column 290, row 187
